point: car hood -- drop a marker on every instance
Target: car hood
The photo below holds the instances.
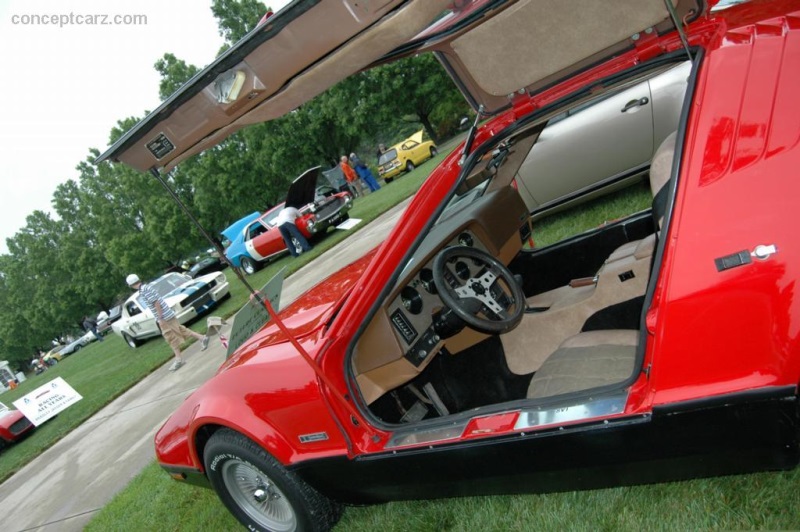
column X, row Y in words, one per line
column 267, row 74
column 302, row 190
column 306, row 315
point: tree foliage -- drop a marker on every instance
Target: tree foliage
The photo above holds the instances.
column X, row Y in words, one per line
column 111, row 220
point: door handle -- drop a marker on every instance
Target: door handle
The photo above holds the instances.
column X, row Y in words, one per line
column 635, row 103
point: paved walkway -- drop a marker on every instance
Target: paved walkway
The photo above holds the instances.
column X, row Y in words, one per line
column 62, row 489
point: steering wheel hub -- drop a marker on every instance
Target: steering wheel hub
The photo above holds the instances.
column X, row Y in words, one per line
column 490, row 300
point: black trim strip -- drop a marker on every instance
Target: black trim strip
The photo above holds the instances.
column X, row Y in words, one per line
column 741, row 433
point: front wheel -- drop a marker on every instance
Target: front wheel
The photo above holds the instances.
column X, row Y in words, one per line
column 259, row 491
column 409, row 166
column 133, row 343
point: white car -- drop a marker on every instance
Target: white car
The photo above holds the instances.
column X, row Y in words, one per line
column 188, row 297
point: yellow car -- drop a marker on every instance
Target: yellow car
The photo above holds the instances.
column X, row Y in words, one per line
column 405, row 155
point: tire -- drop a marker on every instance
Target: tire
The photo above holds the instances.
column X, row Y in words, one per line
column 259, row 491
column 410, row 166
column 132, row 342
column 388, row 180
column 77, row 348
column 434, row 151
column 250, row 266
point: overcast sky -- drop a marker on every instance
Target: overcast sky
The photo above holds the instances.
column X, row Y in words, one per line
column 65, row 84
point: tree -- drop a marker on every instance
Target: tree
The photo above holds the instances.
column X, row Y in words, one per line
column 237, row 17
column 174, row 73
column 423, row 85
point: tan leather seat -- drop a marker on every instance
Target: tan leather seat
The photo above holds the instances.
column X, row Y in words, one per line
column 627, row 254
column 623, row 277
column 593, row 359
column 585, row 361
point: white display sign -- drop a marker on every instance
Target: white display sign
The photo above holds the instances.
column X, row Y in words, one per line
column 47, row 400
column 349, row 223
column 252, row 317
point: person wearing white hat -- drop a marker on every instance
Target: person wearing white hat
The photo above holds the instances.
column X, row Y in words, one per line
column 174, row 333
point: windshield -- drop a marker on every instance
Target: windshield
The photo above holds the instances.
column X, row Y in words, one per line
column 388, row 156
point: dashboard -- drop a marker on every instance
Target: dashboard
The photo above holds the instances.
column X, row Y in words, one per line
column 414, row 310
column 400, row 340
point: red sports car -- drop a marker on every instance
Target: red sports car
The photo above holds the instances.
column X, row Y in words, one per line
column 13, row 425
column 454, row 360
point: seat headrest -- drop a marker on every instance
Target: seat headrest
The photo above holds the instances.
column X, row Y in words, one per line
column 660, row 172
column 661, row 166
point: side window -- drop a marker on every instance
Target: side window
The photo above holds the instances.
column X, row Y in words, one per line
column 255, row 230
column 132, row 308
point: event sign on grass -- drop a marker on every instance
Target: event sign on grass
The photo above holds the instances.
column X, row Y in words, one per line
column 253, row 316
column 47, row 400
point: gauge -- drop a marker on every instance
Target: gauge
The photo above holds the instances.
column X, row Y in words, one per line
column 426, row 276
column 462, row 270
column 465, row 239
column 411, row 299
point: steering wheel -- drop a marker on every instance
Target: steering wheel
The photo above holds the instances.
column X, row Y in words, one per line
column 479, row 289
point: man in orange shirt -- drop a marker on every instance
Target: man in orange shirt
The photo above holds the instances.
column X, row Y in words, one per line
column 353, row 181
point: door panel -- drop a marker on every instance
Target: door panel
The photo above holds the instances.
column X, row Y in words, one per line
column 265, row 241
column 589, row 145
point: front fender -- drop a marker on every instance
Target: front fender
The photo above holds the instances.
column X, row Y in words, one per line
column 271, row 396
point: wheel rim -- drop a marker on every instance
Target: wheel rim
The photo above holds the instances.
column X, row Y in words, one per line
column 256, row 494
column 248, row 266
column 130, row 341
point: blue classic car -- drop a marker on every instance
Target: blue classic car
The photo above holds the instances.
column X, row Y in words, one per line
column 255, row 238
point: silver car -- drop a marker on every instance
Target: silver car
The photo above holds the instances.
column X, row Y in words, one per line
column 602, row 145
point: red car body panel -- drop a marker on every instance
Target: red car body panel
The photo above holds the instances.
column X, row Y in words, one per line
column 278, row 412
column 13, row 426
column 270, row 242
column 710, row 333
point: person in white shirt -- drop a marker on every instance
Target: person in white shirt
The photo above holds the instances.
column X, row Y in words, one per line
column 289, row 231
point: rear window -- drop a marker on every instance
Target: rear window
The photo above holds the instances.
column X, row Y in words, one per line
column 388, row 156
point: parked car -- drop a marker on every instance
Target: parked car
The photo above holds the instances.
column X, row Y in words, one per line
column 256, row 239
column 199, row 262
column 105, row 319
column 188, row 297
column 602, row 145
column 405, row 156
column 453, row 360
column 13, row 425
column 71, row 346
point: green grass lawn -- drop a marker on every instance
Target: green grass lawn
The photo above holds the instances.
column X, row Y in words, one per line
column 765, row 501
